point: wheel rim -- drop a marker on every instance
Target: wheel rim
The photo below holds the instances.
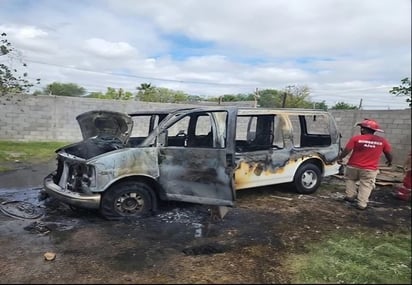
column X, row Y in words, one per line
column 129, row 203
column 309, row 179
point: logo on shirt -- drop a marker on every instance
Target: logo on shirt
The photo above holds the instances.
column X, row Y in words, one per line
column 370, row 144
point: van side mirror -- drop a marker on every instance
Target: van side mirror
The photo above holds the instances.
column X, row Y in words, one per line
column 162, row 138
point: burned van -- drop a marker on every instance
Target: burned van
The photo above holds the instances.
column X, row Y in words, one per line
column 197, row 155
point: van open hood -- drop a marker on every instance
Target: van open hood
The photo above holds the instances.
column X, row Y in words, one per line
column 105, row 124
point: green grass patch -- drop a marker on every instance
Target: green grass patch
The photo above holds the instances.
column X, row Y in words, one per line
column 361, row 258
column 27, row 152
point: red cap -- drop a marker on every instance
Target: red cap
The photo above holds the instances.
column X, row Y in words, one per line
column 370, row 124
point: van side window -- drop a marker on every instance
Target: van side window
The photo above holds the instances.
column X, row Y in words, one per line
column 199, row 130
column 142, row 126
column 311, row 130
column 177, row 133
column 296, row 130
column 258, row 132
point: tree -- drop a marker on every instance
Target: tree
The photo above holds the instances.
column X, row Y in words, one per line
column 298, row 97
column 119, row 94
column 194, row 98
column 145, row 87
column 403, row 90
column 64, row 89
column 320, row 105
column 292, row 97
column 96, row 94
column 112, row 93
column 12, row 80
column 232, row 98
column 148, row 93
column 344, row 106
column 270, row 98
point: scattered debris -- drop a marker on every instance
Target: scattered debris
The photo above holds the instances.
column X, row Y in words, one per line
column 375, row 202
column 182, row 216
column 339, row 176
column 280, row 197
column 218, row 212
column 21, row 210
column 49, row 256
column 37, row 227
column 198, row 229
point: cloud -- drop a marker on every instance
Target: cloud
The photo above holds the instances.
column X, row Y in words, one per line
column 341, row 49
column 29, row 32
column 107, row 49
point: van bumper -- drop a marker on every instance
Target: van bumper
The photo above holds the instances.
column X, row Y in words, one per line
column 81, row 200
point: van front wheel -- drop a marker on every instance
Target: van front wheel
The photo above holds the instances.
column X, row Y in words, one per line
column 128, row 199
column 307, row 179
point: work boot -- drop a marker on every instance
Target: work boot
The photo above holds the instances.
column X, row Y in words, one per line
column 349, row 199
column 359, row 207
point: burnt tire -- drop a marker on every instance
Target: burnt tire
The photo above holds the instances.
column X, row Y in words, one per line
column 128, row 199
column 307, row 179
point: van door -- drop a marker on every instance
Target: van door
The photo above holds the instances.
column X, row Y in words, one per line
column 263, row 151
column 196, row 162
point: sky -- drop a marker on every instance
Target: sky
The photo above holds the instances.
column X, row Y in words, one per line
column 351, row 51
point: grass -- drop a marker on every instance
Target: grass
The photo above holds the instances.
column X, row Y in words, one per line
column 362, row 258
column 26, row 152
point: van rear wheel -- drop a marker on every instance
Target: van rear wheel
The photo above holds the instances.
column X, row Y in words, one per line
column 128, row 199
column 307, row 179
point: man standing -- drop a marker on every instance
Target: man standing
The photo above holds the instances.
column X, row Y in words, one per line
column 363, row 162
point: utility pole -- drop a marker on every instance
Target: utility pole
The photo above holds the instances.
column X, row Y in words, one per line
column 256, row 97
column 286, row 94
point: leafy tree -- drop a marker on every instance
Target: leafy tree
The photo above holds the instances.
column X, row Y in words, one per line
column 229, row 98
column 292, row 97
column 148, row 93
column 64, row 89
column 194, row 98
column 119, row 94
column 297, row 97
column 98, row 95
column 270, row 98
column 179, row 96
column 112, row 93
column 145, row 87
column 320, row 105
column 403, row 90
column 11, row 80
column 232, row 98
column 245, row 97
column 343, row 106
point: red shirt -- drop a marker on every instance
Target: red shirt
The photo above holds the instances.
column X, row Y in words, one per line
column 367, row 150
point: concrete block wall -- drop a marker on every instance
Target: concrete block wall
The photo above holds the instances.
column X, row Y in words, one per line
column 395, row 123
column 53, row 118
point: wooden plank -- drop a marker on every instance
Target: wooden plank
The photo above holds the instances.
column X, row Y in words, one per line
column 385, row 167
column 280, row 197
column 384, row 183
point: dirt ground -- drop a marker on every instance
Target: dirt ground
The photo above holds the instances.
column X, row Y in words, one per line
column 181, row 243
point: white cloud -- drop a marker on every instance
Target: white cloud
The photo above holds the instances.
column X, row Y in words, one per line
column 109, row 49
column 30, row 32
column 343, row 50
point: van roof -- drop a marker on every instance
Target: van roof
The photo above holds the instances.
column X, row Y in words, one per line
column 268, row 111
